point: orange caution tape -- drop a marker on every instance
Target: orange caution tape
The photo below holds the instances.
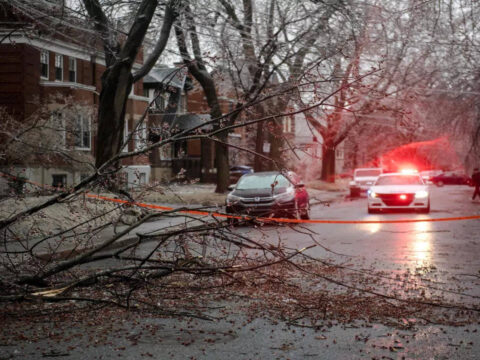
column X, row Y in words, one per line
column 284, row 220
column 247, row 217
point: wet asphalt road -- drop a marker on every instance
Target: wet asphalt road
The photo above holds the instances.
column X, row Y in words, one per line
column 451, row 246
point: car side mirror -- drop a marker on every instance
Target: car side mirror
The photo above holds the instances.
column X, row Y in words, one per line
column 231, row 187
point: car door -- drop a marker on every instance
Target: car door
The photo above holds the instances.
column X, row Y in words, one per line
column 455, row 179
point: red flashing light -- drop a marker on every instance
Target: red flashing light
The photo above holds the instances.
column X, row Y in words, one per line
column 403, row 197
column 409, row 171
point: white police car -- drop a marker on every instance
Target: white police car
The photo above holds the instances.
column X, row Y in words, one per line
column 404, row 190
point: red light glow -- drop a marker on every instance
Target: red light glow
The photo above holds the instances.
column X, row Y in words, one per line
column 409, row 171
column 436, row 154
column 403, row 197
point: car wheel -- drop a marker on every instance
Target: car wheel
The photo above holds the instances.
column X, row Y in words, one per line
column 306, row 213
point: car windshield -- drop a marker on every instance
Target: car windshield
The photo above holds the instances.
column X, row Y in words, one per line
column 262, row 182
column 367, row 173
column 399, row 180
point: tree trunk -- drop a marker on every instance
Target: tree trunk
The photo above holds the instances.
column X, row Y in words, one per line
column 259, row 162
column 328, row 162
column 117, row 80
column 201, row 74
column 259, row 141
column 116, row 85
column 276, row 145
column 221, row 162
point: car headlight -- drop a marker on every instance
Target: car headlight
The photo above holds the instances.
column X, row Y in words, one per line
column 353, row 183
column 286, row 196
column 421, row 194
column 232, row 199
column 372, row 194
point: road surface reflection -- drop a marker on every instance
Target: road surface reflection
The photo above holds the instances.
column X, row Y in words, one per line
column 412, row 241
column 421, row 241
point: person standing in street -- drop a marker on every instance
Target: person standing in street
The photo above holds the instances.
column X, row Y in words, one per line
column 476, row 183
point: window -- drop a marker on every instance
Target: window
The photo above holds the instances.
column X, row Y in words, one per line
column 59, row 180
column 142, row 178
column 287, row 124
column 125, row 137
column 141, row 137
column 58, row 128
column 160, row 101
column 339, row 153
column 82, row 132
column 58, row 67
column 166, row 152
column 146, row 92
column 72, row 69
column 44, row 64
column 182, row 103
column 262, row 182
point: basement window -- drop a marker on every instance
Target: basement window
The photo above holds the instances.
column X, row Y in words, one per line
column 59, row 180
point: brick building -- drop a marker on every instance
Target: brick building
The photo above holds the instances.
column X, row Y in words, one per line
column 50, row 74
column 179, row 103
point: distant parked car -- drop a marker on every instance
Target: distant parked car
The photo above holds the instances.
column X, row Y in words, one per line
column 363, row 179
column 236, row 172
column 269, row 193
column 452, row 178
column 427, row 175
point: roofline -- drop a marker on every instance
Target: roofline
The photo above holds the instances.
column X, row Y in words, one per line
column 58, row 46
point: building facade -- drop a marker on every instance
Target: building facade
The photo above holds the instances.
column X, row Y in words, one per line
column 50, row 83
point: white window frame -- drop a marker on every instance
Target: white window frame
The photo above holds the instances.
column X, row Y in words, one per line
column 182, row 103
column 47, row 58
column 125, row 137
column 59, row 57
column 287, row 124
column 56, row 114
column 141, row 137
column 160, row 100
column 82, row 120
column 72, row 60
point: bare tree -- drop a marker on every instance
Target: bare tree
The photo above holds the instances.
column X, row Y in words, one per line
column 198, row 69
column 117, row 80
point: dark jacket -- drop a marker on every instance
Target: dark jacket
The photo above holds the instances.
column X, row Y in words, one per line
column 476, row 178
